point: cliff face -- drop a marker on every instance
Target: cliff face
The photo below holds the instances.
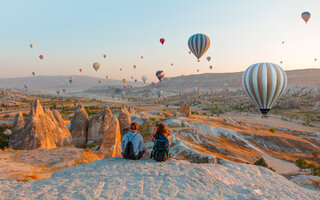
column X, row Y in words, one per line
column 124, row 118
column 111, row 144
column 42, row 130
column 184, row 110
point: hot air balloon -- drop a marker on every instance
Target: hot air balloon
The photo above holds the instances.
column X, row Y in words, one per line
column 134, row 66
column 64, row 90
column 107, row 77
column 162, row 40
column 70, row 81
column 135, row 80
column 80, row 70
column 144, row 78
column 25, row 87
column 160, row 74
column 124, row 80
column 281, row 62
column 125, row 87
column 282, row 42
column 208, row 58
column 189, row 52
column 96, row 66
column 197, row 70
column 315, row 59
column 154, row 84
column 141, row 57
column 123, row 93
column 58, row 92
column 104, row 55
column 109, row 86
column 198, row 44
column 159, row 93
column 71, row 78
column 41, row 57
column 33, row 73
column 31, row 45
column 264, row 84
column 306, row 16
column 171, row 64
column 99, row 81
column 120, row 69
column 210, row 67
column 131, row 77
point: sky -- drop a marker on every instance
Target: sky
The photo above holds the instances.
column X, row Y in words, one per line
column 74, row 34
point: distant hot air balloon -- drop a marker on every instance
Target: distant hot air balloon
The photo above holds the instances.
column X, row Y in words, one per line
column 144, row 78
column 135, row 80
column 107, row 77
column 123, row 92
column 210, row 67
column 25, row 87
column 208, row 58
column 124, row 80
column 282, row 42
column 64, row 90
column 315, row 59
column 104, row 55
column 70, row 81
column 120, row 69
column 197, row 70
column 125, row 87
column 159, row 93
column 80, row 70
column 96, row 66
column 131, row 77
column 141, row 57
column 281, row 62
column 71, row 78
column 99, row 81
column 160, row 74
column 198, row 44
column 31, row 45
column 109, row 86
column 58, row 92
column 134, row 66
column 306, row 16
column 154, row 84
column 33, row 73
column 171, row 64
column 264, row 83
column 162, row 40
column 41, row 57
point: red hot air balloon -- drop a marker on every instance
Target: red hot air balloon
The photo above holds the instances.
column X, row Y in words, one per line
column 134, row 66
column 141, row 57
column 125, row 87
column 162, row 40
column 64, row 90
column 80, row 70
column 41, row 57
column 120, row 69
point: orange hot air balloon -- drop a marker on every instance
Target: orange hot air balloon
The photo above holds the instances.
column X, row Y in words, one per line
column 162, row 40
column 134, row 66
column 41, row 57
column 141, row 57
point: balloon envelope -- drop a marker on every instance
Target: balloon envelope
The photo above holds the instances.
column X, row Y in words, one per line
column 264, row 84
column 210, row 67
column 199, row 44
column 162, row 40
column 33, row 73
column 104, row 55
column 41, row 57
column 96, row 66
column 144, row 78
column 80, row 70
column 306, row 16
column 160, row 74
column 208, row 58
column 31, row 45
column 124, row 80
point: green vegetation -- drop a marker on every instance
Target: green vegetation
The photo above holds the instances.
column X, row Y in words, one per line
column 303, row 164
column 6, row 116
column 4, row 139
column 272, row 130
column 315, row 154
column 263, row 163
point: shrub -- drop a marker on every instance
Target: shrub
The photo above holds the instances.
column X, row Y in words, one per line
column 272, row 130
column 6, row 116
column 301, row 163
column 263, row 163
column 315, row 154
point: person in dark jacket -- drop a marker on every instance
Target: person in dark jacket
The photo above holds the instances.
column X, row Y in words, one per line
column 161, row 138
column 136, row 139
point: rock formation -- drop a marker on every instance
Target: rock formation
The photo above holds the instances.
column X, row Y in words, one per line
column 184, row 110
column 124, row 118
column 111, row 144
column 99, row 125
column 131, row 109
column 42, row 130
column 79, row 126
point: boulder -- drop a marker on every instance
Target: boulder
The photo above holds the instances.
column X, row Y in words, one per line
column 98, row 126
column 79, row 126
column 124, row 118
column 111, row 145
column 41, row 130
column 184, row 110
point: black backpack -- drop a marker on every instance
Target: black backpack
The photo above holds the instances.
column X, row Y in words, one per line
column 129, row 152
column 160, row 150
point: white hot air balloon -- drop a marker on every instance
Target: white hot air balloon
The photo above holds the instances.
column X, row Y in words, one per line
column 264, row 83
column 144, row 78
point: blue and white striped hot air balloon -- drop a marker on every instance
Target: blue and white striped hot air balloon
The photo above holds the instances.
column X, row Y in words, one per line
column 264, row 83
column 198, row 44
column 306, row 16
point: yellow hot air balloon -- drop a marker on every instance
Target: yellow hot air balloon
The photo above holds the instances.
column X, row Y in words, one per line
column 124, row 80
column 96, row 66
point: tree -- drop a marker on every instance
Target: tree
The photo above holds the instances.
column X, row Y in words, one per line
column 301, row 163
column 263, row 163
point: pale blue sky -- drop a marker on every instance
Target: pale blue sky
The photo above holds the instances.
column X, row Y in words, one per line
column 75, row 33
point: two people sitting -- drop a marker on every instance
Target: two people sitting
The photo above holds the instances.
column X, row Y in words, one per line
column 133, row 146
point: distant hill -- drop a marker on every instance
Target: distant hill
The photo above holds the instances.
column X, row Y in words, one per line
column 51, row 84
column 305, row 77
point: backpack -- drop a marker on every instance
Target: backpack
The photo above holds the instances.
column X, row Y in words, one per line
column 129, row 152
column 160, row 150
